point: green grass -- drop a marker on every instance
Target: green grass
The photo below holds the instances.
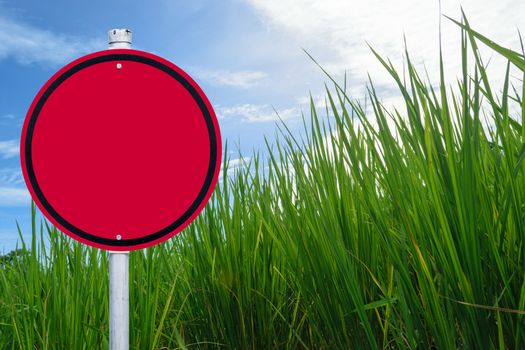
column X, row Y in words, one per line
column 354, row 237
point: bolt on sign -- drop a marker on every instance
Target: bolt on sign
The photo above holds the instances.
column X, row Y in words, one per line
column 120, row 149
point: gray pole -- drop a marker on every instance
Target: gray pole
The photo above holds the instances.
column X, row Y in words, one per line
column 118, row 300
column 119, row 261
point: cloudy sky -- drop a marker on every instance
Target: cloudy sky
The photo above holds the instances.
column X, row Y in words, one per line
column 247, row 55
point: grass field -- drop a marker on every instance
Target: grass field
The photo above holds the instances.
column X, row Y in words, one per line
column 355, row 236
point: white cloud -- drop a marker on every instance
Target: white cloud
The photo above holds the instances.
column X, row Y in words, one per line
column 14, row 197
column 9, row 148
column 238, row 79
column 238, row 162
column 235, row 165
column 11, row 177
column 335, row 32
column 10, row 120
column 252, row 113
column 29, row 44
column 319, row 101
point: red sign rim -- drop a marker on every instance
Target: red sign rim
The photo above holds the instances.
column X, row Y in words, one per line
column 121, row 56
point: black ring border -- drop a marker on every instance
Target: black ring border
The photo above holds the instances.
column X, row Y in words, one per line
column 211, row 134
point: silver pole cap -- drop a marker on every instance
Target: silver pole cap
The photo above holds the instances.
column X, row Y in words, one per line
column 119, row 39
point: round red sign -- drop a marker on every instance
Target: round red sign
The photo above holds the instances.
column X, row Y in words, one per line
column 121, row 149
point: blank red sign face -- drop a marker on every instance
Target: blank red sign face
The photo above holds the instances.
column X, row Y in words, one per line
column 121, row 149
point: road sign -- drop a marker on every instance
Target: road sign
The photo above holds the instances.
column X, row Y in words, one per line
column 121, row 149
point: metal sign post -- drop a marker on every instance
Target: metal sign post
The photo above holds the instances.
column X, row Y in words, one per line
column 132, row 122
column 119, row 261
column 118, row 300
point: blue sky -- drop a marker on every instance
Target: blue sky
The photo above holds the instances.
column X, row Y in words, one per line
column 246, row 55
